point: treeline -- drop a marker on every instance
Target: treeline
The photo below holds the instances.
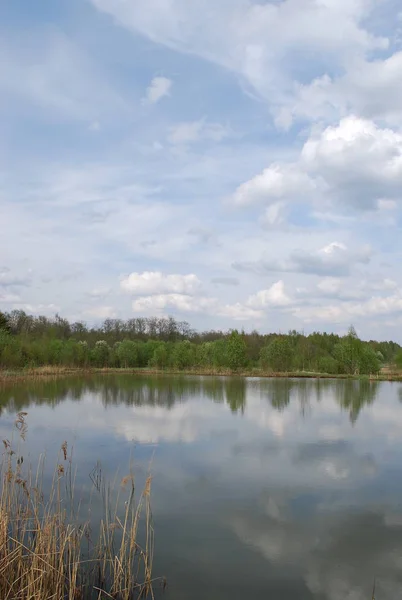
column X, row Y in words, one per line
column 164, row 343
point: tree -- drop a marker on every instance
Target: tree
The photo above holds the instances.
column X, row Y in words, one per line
column 236, row 351
column 183, row 355
column 127, row 353
column 160, row 358
column 100, row 354
column 4, row 323
column 278, row 355
column 356, row 357
column 398, row 360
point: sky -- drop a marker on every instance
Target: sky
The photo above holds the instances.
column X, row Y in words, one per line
column 233, row 163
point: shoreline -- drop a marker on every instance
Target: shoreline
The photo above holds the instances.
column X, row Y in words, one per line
column 18, row 375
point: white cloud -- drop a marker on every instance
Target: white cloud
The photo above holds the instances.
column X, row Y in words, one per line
column 330, row 285
column 274, row 216
column 9, row 298
column 158, row 89
column 155, row 282
column 257, row 41
column 194, row 304
column 101, row 312
column 354, row 164
column 274, row 183
column 274, row 296
column 194, row 131
column 344, row 312
column 334, row 259
column 253, row 308
column 385, row 204
column 38, row 309
column 370, row 88
column 100, row 292
column 360, row 162
column 8, row 279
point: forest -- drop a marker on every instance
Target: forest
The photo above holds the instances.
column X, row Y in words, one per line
column 28, row 341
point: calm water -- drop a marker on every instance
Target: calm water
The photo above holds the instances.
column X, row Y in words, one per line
column 279, row 489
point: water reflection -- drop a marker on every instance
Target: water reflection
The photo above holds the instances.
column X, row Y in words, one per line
column 262, row 488
column 167, row 391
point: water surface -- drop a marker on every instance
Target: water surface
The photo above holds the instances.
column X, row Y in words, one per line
column 284, row 489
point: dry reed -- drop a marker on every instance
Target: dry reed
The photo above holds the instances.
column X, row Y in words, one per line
column 47, row 554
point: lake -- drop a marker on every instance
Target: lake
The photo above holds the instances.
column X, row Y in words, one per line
column 287, row 489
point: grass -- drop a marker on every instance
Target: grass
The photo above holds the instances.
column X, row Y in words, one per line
column 48, row 553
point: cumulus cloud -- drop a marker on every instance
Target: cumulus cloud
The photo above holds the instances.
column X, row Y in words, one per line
column 335, row 288
column 359, row 161
column 370, row 88
column 155, row 282
column 334, row 259
column 158, row 88
column 274, row 183
column 194, row 304
column 252, row 308
column 274, row 296
column 274, row 216
column 355, row 163
column 345, row 312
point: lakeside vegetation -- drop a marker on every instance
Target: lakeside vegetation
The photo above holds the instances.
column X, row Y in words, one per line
column 28, row 342
column 47, row 551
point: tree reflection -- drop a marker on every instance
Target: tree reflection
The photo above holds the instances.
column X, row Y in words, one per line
column 166, row 391
column 163, row 391
column 354, row 395
column 235, row 389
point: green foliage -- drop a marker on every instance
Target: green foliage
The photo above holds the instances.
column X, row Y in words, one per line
column 100, row 354
column 4, row 323
column 27, row 341
column 398, row 360
column 236, row 351
column 327, row 364
column 183, row 355
column 160, row 359
column 278, row 355
column 355, row 357
column 127, row 354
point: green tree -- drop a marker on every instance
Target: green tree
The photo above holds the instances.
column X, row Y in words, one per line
column 236, row 351
column 398, row 360
column 100, row 354
column 82, row 354
column 127, row 353
column 183, row 355
column 278, row 355
column 160, row 358
column 4, row 323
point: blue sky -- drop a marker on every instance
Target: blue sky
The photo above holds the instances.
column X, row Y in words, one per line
column 232, row 163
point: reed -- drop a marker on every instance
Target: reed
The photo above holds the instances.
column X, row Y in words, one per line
column 48, row 553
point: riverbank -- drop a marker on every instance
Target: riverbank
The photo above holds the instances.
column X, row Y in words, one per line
column 11, row 376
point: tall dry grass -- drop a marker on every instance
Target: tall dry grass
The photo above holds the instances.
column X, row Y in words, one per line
column 47, row 553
